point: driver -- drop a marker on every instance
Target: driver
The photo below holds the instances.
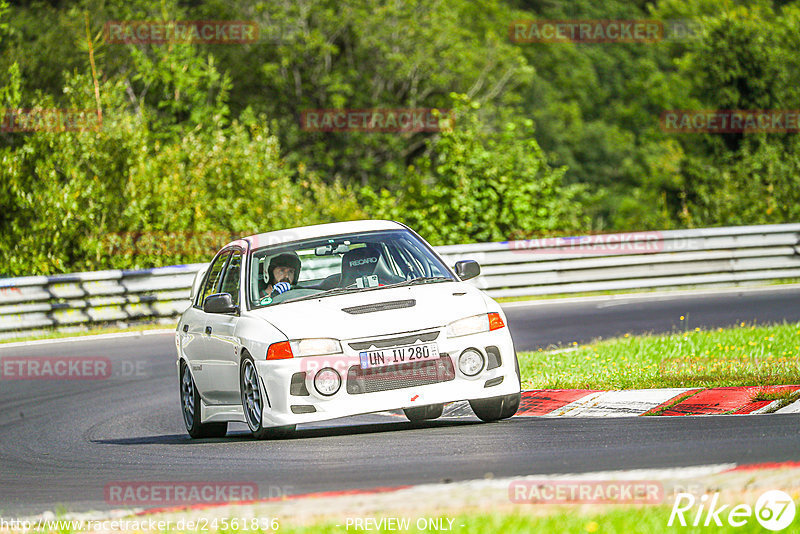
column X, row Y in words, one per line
column 282, row 273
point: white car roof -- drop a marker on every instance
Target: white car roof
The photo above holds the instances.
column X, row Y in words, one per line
column 318, row 230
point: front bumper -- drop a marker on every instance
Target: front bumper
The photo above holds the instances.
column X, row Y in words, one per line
column 292, row 404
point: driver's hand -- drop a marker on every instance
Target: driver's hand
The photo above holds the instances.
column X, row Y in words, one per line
column 281, row 287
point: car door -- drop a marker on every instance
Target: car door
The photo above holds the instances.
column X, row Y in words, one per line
column 196, row 327
column 222, row 348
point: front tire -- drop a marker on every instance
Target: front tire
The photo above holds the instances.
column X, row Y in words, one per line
column 253, row 399
column 424, row 413
column 496, row 408
column 190, row 403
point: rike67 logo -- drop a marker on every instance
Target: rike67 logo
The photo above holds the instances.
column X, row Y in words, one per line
column 774, row 510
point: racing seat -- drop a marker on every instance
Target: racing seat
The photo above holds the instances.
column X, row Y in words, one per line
column 366, row 261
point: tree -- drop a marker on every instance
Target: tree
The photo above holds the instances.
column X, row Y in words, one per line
column 478, row 185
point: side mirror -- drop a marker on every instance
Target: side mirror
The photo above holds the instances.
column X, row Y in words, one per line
column 467, row 269
column 220, row 303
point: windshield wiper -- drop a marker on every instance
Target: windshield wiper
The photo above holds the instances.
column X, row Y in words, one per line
column 422, row 280
column 326, row 293
column 340, row 290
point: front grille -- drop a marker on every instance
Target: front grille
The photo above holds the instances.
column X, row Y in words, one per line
column 380, row 306
column 494, row 381
column 394, row 341
column 297, row 386
column 406, row 375
column 493, row 357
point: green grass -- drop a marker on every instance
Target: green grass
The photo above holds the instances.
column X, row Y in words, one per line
column 784, row 397
column 677, row 400
column 55, row 334
column 772, row 395
column 742, row 356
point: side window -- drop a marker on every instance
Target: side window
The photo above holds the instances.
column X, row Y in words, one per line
column 257, row 284
column 406, row 265
column 212, row 278
column 230, row 282
column 423, row 261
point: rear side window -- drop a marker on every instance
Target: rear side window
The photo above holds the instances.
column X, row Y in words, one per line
column 212, row 278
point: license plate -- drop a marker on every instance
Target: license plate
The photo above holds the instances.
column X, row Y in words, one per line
column 397, row 355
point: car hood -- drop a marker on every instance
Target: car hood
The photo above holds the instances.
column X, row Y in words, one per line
column 437, row 304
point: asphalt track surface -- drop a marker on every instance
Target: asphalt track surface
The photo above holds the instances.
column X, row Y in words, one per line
column 62, row 442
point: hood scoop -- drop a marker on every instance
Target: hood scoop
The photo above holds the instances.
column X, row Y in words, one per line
column 380, row 306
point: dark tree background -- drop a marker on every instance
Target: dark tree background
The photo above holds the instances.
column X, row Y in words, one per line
column 203, row 142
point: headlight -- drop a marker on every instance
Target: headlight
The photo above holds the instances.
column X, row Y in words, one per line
column 475, row 324
column 470, row 362
column 327, row 382
column 315, row 347
column 470, row 325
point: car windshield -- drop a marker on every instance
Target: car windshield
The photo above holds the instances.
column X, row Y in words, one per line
column 341, row 264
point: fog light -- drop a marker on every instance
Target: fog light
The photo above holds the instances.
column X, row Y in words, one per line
column 470, row 362
column 327, row 382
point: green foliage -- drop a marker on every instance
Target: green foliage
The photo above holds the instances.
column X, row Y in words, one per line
column 745, row 59
column 477, row 185
column 84, row 199
column 366, row 54
column 201, row 143
column 3, row 13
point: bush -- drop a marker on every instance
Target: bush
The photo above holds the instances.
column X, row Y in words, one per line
column 477, row 185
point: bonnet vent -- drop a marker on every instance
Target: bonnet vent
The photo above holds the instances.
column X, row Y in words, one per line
column 380, row 306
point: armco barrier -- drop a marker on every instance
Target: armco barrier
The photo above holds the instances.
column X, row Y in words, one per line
column 709, row 256
column 35, row 302
column 717, row 256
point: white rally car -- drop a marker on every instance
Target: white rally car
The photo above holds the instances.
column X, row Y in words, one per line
column 334, row 320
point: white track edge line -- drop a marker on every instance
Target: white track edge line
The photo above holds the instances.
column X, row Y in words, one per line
column 659, row 295
column 89, row 337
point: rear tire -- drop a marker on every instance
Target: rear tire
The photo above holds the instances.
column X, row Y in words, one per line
column 253, row 398
column 190, row 404
column 496, row 408
column 424, row 413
